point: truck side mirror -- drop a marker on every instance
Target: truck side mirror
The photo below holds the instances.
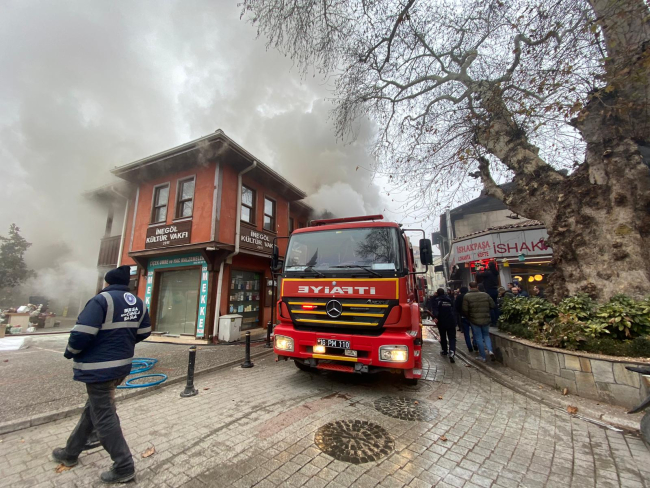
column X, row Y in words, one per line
column 275, row 257
column 426, row 252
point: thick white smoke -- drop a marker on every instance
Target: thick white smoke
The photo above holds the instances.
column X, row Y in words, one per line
column 92, row 85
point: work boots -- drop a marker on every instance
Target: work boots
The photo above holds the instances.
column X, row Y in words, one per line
column 111, row 476
column 61, row 456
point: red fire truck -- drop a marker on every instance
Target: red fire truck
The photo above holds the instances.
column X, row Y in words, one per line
column 349, row 298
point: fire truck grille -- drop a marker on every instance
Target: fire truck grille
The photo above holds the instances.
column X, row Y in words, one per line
column 339, row 312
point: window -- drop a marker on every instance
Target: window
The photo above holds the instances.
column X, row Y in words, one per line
column 291, row 224
column 269, row 214
column 247, row 205
column 185, row 198
column 375, row 249
column 159, row 207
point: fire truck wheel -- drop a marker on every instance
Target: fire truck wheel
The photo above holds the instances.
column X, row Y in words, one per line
column 302, row 366
column 411, row 381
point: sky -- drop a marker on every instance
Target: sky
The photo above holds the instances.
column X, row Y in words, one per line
column 88, row 85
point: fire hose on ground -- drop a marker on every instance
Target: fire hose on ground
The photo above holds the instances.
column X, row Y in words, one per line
column 142, row 365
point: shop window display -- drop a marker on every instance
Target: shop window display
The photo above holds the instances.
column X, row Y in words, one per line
column 245, row 290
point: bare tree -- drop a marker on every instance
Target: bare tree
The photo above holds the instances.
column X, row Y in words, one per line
column 550, row 93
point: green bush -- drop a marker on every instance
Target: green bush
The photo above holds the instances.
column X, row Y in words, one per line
column 619, row 327
column 581, row 306
column 637, row 347
column 531, row 313
column 563, row 331
column 624, row 317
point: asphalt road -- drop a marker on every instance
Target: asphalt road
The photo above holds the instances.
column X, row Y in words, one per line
column 35, row 378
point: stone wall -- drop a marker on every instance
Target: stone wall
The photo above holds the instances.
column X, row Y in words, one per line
column 602, row 378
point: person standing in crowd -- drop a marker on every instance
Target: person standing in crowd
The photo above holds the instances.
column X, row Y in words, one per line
column 465, row 326
column 502, row 296
column 430, row 303
column 520, row 292
column 102, row 345
column 538, row 291
column 489, row 278
column 456, row 310
column 476, row 307
column 443, row 316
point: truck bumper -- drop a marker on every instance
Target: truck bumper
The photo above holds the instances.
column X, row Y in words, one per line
column 367, row 349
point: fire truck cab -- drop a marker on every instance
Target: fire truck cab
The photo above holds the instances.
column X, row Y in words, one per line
column 349, row 298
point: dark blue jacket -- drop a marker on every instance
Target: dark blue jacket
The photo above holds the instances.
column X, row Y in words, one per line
column 443, row 310
column 103, row 341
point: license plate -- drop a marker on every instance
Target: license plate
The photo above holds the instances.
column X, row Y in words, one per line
column 335, row 343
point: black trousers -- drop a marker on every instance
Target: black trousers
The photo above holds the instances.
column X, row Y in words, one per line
column 447, row 336
column 100, row 415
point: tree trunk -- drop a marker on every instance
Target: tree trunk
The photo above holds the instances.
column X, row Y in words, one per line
column 598, row 218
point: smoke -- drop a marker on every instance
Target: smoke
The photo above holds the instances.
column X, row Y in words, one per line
column 65, row 282
column 88, row 86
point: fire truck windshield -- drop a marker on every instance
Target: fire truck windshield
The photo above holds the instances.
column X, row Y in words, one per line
column 376, row 249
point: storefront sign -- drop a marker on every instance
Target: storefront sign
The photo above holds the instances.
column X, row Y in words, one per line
column 501, row 245
column 168, row 235
column 256, row 240
column 176, row 262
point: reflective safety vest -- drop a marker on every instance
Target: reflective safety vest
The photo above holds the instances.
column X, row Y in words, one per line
column 102, row 343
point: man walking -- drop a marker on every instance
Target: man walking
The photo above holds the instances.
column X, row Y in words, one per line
column 443, row 316
column 490, row 279
column 476, row 307
column 466, row 328
column 102, row 346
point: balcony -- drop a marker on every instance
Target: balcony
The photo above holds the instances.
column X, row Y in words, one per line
column 108, row 251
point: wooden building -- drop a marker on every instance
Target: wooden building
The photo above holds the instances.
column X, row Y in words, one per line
column 198, row 223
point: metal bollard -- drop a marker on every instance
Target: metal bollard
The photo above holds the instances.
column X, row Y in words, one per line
column 269, row 329
column 189, row 387
column 247, row 362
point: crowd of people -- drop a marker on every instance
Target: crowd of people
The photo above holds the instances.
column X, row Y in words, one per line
column 472, row 311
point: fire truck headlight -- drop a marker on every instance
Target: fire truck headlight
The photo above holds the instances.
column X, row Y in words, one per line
column 318, row 349
column 283, row 343
column 394, row 354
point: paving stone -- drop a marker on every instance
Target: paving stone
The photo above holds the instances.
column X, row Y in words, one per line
column 626, row 377
column 265, row 437
column 586, row 385
column 602, row 371
column 572, row 362
column 552, row 362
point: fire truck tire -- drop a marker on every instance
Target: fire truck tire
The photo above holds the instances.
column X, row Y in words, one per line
column 411, row 381
column 302, row 366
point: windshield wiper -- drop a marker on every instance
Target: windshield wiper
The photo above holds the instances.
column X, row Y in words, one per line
column 311, row 268
column 349, row 266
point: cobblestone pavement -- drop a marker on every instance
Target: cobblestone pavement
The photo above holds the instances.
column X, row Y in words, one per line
column 37, row 379
column 262, row 427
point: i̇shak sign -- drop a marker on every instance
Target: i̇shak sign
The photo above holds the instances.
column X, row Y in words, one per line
column 530, row 242
column 168, row 235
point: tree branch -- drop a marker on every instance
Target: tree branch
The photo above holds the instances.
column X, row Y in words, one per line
column 491, row 188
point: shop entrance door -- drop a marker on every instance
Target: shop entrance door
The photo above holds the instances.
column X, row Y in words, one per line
column 178, row 301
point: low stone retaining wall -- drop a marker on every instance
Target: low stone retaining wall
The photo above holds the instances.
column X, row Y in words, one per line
column 601, row 378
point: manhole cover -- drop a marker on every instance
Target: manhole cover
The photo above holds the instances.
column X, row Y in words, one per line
column 354, row 441
column 405, row 408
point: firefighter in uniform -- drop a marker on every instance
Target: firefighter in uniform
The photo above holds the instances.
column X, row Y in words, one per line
column 101, row 346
